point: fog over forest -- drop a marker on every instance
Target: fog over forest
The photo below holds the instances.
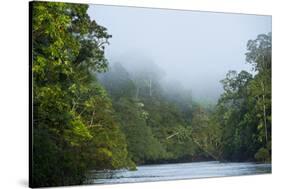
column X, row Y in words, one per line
column 170, row 87
column 193, row 49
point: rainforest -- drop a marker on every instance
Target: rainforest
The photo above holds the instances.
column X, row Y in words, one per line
column 92, row 113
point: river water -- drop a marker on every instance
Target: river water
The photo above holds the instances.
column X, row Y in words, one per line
column 177, row 171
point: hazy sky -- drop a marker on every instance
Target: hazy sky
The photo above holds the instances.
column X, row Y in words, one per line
column 194, row 48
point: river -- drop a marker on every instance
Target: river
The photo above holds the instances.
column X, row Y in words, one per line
column 177, row 171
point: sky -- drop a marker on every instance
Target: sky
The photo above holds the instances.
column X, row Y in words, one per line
column 195, row 49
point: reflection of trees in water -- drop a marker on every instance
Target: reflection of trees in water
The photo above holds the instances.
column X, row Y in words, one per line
column 178, row 171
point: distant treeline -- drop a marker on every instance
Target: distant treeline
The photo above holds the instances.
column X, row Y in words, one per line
column 121, row 119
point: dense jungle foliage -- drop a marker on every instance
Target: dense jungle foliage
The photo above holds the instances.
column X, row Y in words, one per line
column 89, row 114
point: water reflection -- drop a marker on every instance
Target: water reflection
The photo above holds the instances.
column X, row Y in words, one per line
column 177, row 171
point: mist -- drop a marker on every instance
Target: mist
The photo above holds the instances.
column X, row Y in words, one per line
column 190, row 49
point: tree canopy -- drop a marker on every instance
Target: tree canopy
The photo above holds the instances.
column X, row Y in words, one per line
column 92, row 115
column 74, row 128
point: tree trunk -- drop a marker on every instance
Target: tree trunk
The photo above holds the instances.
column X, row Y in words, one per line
column 264, row 111
column 150, row 91
column 137, row 92
column 197, row 143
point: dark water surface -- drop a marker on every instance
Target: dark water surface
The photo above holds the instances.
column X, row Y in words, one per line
column 177, row 171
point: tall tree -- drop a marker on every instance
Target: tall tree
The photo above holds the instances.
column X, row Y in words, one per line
column 244, row 109
column 259, row 56
column 73, row 125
